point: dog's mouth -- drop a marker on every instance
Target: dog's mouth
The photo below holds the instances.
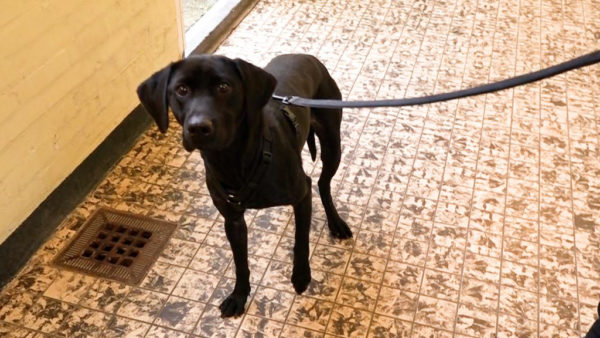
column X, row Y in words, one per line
column 188, row 144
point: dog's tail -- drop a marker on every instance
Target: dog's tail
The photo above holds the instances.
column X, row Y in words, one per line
column 311, row 144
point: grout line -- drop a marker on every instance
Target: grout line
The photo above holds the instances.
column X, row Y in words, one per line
column 512, row 110
column 476, row 167
column 363, row 207
column 441, row 182
column 539, row 169
column 569, row 144
column 387, row 259
column 18, row 326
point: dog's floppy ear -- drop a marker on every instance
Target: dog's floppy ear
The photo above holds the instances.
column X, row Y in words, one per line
column 153, row 95
column 258, row 84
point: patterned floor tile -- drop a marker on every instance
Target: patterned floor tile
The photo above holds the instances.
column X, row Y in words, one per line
column 295, row 331
column 47, row 315
column 211, row 259
column 211, row 323
column 259, row 327
column 105, row 296
column 409, row 251
column 180, row 314
column 358, row 294
column 349, row 322
column 158, row 331
column 366, row 267
column 447, row 259
column 11, row 331
column 310, row 313
column 84, row 323
column 324, row 285
column 14, row 305
column 383, row 326
column 427, row 331
column 69, row 287
column 142, row 305
column 397, row 303
column 328, row 258
column 435, row 312
column 472, row 321
column 509, row 326
column 162, row 277
column 178, row 252
column 120, row 327
column 373, row 243
column 560, row 312
column 440, row 285
column 196, row 285
column 518, row 303
column 403, row 276
column 270, row 303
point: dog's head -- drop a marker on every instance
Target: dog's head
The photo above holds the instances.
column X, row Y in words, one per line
column 211, row 97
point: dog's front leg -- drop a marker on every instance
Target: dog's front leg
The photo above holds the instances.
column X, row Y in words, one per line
column 302, row 214
column 237, row 234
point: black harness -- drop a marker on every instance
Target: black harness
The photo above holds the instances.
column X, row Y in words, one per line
column 239, row 199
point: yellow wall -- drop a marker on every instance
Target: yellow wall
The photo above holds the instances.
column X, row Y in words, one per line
column 68, row 73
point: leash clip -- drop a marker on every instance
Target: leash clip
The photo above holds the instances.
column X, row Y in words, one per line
column 284, row 99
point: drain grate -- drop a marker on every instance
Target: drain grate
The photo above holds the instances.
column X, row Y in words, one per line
column 117, row 245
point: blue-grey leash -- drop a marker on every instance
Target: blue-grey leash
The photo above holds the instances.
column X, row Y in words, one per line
column 582, row 61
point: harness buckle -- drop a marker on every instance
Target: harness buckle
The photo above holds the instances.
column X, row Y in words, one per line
column 267, row 156
column 232, row 199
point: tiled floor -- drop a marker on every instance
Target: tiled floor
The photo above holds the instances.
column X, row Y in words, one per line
column 475, row 217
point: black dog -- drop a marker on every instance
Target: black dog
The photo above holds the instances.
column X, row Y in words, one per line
column 251, row 144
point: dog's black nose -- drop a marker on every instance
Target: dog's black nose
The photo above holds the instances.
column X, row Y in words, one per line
column 200, row 126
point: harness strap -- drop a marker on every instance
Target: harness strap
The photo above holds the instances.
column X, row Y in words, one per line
column 240, row 197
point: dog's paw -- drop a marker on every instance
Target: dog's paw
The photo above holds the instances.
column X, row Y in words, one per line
column 233, row 306
column 300, row 280
column 339, row 229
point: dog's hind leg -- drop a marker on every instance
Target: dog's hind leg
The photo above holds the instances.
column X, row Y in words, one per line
column 329, row 138
column 326, row 124
column 302, row 213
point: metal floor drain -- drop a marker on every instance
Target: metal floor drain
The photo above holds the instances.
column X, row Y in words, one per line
column 117, row 245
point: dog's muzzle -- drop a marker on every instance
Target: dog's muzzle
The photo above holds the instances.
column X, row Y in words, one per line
column 199, row 132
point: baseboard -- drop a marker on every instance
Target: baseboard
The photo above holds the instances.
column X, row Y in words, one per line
column 37, row 228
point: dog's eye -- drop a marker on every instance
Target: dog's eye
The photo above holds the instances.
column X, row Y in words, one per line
column 223, row 88
column 182, row 90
